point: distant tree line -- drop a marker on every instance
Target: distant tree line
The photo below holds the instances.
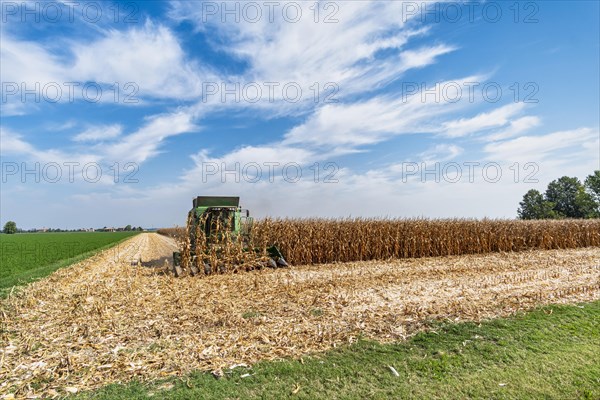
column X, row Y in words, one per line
column 10, row 227
column 125, row 229
column 565, row 197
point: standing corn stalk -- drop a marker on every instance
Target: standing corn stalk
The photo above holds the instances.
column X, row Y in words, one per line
column 314, row 241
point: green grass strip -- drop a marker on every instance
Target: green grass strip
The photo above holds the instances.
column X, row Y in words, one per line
column 548, row 353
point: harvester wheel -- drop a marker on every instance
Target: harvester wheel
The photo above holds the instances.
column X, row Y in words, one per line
column 176, row 258
column 282, row 263
column 177, row 271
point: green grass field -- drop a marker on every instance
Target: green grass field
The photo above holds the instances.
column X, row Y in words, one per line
column 28, row 256
column 550, row 353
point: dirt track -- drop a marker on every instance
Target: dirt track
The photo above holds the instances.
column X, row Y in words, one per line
column 104, row 320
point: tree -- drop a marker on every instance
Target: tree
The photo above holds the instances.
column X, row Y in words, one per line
column 564, row 198
column 10, row 227
column 535, row 206
column 592, row 185
column 586, row 204
column 563, row 193
column 588, row 199
column 128, row 228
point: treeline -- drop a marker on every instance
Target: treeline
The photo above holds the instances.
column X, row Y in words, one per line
column 128, row 228
column 565, row 197
column 11, row 227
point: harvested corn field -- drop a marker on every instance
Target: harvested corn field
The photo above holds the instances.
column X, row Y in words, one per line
column 315, row 241
column 105, row 320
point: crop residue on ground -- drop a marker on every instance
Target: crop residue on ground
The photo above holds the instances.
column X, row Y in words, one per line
column 104, row 320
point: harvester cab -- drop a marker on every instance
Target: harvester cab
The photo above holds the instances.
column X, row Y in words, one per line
column 218, row 215
column 217, row 220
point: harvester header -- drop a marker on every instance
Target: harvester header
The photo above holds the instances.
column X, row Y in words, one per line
column 218, row 240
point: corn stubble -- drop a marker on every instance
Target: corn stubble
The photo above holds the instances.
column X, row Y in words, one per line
column 315, row 241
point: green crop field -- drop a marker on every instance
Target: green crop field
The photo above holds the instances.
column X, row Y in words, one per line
column 27, row 256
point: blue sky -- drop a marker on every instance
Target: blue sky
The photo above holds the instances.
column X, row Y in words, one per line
column 388, row 134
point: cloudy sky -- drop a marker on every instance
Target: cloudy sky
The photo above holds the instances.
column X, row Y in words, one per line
column 118, row 113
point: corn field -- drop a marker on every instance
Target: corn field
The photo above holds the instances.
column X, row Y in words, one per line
column 315, row 241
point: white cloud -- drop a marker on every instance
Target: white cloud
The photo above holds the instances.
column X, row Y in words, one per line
column 136, row 147
column 496, row 118
column 12, row 108
column 144, row 143
column 561, row 147
column 13, row 143
column 29, row 62
column 514, row 128
column 424, row 56
column 99, row 133
column 441, row 152
column 260, row 154
column 373, row 120
column 306, row 52
column 25, row 67
column 147, row 56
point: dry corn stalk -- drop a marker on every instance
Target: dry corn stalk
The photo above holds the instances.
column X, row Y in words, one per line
column 314, row 241
column 222, row 252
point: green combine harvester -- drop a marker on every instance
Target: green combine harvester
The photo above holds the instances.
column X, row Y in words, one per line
column 216, row 218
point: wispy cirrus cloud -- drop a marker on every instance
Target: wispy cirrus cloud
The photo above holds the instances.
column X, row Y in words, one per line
column 137, row 147
column 147, row 57
column 99, row 133
column 441, row 152
column 514, row 128
column 308, row 52
column 15, row 144
column 569, row 146
column 498, row 117
column 146, row 142
column 372, row 121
